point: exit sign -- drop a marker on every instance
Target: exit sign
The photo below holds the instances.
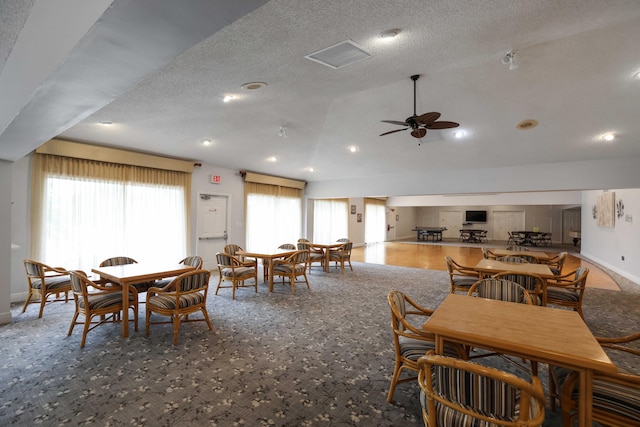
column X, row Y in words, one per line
column 215, row 179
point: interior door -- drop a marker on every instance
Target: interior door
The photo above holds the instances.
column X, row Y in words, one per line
column 571, row 221
column 391, row 225
column 212, row 228
column 505, row 221
column 452, row 221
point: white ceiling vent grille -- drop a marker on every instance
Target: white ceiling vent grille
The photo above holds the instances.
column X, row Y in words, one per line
column 339, row 55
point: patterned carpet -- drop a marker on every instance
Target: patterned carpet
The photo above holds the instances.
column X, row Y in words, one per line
column 323, row 357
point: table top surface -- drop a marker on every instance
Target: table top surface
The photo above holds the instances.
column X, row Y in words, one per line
column 472, row 230
column 540, row 333
column 527, row 232
column 534, row 254
column 275, row 253
column 419, row 228
column 495, row 266
column 141, row 271
column 326, row 245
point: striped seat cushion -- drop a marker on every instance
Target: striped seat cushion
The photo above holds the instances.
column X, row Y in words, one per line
column 168, row 302
column 239, row 271
column 104, row 300
column 281, row 268
column 615, row 399
column 413, row 349
column 52, row 282
column 464, row 282
column 561, row 295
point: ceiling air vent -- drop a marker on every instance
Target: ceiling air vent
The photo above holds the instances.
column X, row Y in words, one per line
column 339, row 55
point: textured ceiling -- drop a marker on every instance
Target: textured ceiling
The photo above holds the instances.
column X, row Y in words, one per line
column 576, row 59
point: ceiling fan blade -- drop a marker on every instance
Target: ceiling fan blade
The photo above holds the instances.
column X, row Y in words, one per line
column 418, row 133
column 395, row 122
column 442, row 125
column 393, row 131
column 428, row 118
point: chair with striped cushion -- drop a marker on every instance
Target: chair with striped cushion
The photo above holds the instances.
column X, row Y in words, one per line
column 460, row 277
column 412, row 342
column 534, row 284
column 44, row 281
column 568, row 290
column 459, row 393
column 183, row 296
column 292, row 267
column 500, row 289
column 341, row 256
column 315, row 255
column 488, row 254
column 517, row 259
column 616, row 397
column 556, row 263
column 231, row 269
column 93, row 299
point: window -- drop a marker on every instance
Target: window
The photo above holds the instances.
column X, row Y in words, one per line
column 375, row 219
column 273, row 215
column 87, row 211
column 330, row 220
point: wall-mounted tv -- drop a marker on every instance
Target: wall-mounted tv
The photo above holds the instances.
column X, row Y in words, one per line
column 475, row 216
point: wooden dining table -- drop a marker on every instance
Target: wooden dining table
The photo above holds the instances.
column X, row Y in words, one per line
column 540, row 256
column 267, row 258
column 129, row 274
column 326, row 249
column 548, row 335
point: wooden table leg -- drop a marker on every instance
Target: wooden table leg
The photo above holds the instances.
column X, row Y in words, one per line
column 125, row 309
column 271, row 274
column 326, row 259
column 586, row 397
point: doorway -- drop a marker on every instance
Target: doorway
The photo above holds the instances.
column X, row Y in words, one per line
column 212, row 228
column 505, row 221
column 452, row 221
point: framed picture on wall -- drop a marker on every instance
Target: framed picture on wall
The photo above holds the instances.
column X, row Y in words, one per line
column 353, row 209
column 359, row 217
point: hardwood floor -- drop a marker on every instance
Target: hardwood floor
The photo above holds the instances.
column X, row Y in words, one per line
column 431, row 256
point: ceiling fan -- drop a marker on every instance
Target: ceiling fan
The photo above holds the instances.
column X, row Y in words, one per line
column 420, row 124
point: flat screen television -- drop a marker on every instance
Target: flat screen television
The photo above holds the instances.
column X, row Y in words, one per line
column 475, row 216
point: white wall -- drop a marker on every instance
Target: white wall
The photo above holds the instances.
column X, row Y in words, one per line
column 5, row 240
column 607, row 246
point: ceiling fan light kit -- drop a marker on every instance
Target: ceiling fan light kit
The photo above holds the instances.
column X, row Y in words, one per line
column 420, row 124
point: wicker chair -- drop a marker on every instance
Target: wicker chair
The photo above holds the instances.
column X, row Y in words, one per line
column 500, row 289
column 314, row 255
column 193, row 261
column 517, row 248
column 232, row 249
column 232, row 269
column 487, row 254
column 556, row 263
column 93, row 299
column 535, row 285
column 411, row 342
column 459, row 393
column 460, row 277
column 184, row 295
column 292, row 267
column 616, row 397
column 342, row 255
column 44, row 281
column 568, row 290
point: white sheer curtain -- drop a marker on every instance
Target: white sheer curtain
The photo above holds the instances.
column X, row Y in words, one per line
column 273, row 216
column 374, row 220
column 82, row 220
column 330, row 220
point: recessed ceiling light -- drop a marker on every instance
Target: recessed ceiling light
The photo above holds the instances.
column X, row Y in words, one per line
column 272, row 159
column 312, row 170
column 608, row 136
column 253, row 85
column 227, row 98
column 353, row 148
column 206, row 142
column 106, row 123
column 527, row 124
column 389, row 34
column 459, row 134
